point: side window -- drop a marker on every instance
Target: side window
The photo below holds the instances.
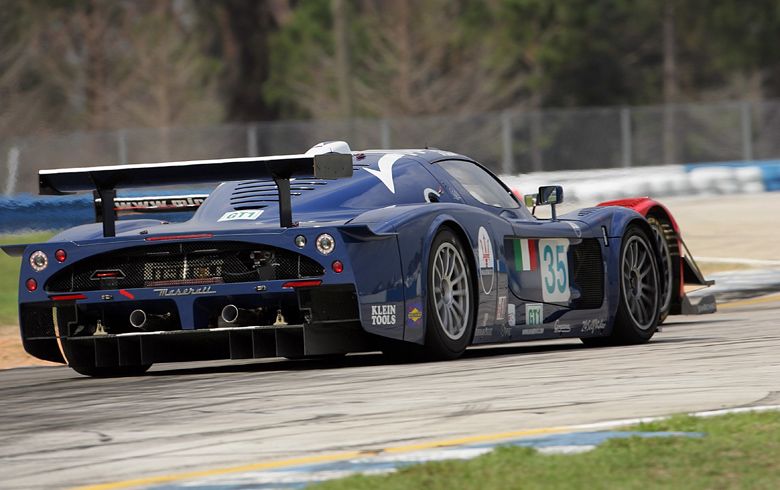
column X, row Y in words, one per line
column 480, row 184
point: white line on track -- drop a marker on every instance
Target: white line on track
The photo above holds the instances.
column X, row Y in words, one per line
column 735, row 260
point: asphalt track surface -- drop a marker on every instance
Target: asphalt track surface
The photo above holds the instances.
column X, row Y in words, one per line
column 59, row 429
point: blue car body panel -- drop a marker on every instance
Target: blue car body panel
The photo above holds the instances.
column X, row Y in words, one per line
column 534, row 278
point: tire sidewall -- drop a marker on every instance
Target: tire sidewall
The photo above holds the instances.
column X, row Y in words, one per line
column 673, row 288
column 626, row 328
column 436, row 341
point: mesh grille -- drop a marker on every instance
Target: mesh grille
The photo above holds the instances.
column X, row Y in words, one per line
column 179, row 264
column 589, row 274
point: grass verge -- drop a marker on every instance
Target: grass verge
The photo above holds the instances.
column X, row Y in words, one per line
column 738, row 451
column 9, row 276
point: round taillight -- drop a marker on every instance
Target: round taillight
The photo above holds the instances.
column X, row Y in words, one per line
column 31, row 284
column 337, row 266
column 38, row 261
column 325, row 244
column 60, row 255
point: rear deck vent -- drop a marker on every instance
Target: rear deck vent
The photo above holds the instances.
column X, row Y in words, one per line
column 257, row 194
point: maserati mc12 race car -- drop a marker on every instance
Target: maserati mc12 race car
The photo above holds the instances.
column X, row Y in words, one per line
column 416, row 253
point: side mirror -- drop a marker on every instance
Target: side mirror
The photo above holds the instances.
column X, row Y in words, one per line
column 530, row 200
column 552, row 195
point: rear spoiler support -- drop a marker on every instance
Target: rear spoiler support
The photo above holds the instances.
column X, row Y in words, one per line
column 104, row 181
column 285, row 204
column 107, row 211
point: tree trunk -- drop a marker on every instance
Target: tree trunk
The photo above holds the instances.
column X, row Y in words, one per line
column 670, row 84
column 340, row 27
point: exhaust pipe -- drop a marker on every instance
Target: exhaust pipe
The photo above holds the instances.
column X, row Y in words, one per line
column 233, row 316
column 138, row 319
column 141, row 320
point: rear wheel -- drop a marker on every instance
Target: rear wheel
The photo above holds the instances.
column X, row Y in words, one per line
column 450, row 318
column 669, row 286
column 640, row 292
column 112, row 371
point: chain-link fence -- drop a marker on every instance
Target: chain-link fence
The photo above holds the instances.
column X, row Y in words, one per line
column 509, row 142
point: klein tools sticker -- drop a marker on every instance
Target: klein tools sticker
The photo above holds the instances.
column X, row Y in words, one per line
column 249, row 214
column 487, row 270
column 383, row 315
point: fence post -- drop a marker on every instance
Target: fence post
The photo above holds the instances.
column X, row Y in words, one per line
column 384, row 134
column 625, row 135
column 536, row 136
column 747, row 131
column 508, row 160
column 122, row 146
column 13, row 170
column 251, row 140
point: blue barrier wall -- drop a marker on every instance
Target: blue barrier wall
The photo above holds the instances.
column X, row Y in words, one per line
column 26, row 212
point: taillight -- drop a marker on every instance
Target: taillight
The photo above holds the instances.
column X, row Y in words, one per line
column 60, row 255
column 301, row 284
column 31, row 284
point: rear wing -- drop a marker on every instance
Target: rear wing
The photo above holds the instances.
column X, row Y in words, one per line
column 104, row 181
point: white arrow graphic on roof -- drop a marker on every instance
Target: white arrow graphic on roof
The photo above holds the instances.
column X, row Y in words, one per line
column 385, row 172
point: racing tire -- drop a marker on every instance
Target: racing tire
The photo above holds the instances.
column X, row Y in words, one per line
column 668, row 257
column 639, row 303
column 450, row 300
column 111, row 371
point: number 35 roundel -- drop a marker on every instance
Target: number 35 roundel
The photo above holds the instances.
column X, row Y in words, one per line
column 554, row 267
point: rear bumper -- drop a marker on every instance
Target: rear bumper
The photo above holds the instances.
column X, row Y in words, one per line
column 210, row 344
column 322, row 320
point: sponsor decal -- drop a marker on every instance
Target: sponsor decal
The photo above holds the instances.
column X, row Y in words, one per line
column 594, row 325
column 385, row 172
column 184, row 291
column 534, row 314
column 525, row 255
column 559, row 327
column 501, row 310
column 487, row 270
column 383, row 314
column 554, row 255
column 532, row 331
column 415, row 314
column 511, row 319
column 483, row 332
column 485, row 320
column 249, row 214
column 428, row 192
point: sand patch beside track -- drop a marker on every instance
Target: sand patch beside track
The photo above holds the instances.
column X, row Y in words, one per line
column 12, row 353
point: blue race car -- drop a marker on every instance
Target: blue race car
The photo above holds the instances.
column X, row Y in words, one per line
column 416, row 253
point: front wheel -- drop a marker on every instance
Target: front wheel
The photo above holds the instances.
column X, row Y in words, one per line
column 450, row 318
column 640, row 299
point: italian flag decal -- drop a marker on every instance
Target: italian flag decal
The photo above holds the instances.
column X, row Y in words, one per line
column 525, row 252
